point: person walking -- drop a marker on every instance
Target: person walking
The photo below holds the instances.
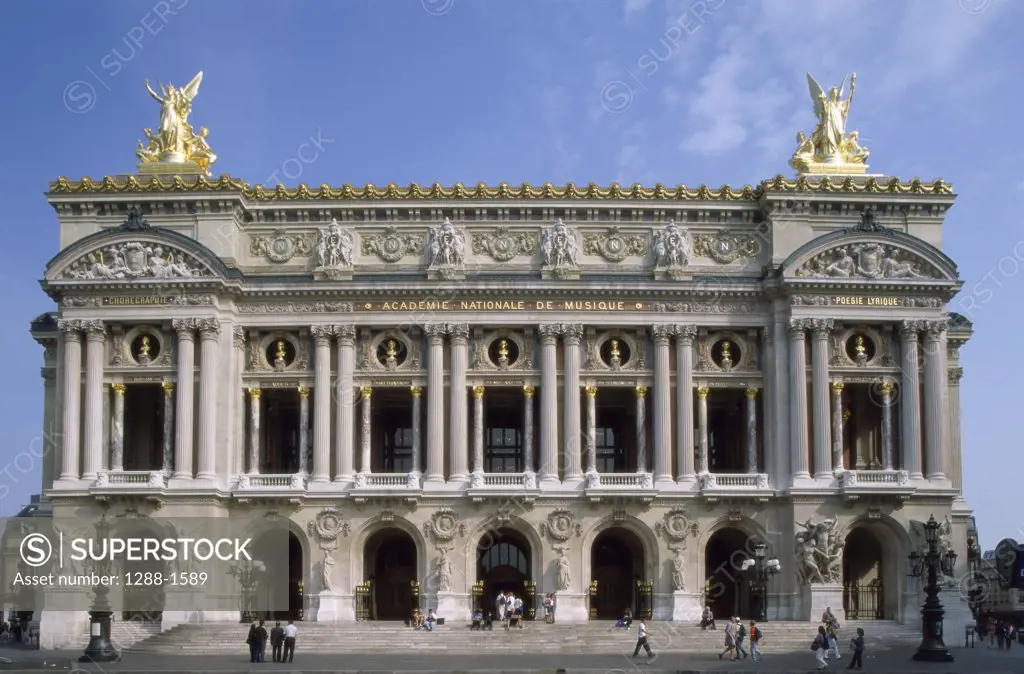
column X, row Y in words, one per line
column 857, row 645
column 820, row 647
column 741, row 634
column 290, row 632
column 730, row 640
column 277, row 641
column 262, row 636
column 755, row 640
column 252, row 641
column 641, row 640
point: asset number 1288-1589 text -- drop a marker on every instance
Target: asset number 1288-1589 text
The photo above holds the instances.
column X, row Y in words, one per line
column 150, row 579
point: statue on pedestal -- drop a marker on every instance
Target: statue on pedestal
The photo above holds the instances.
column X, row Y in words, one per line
column 830, row 149
column 176, row 141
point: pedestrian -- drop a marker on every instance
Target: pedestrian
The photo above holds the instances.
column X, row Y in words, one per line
column 755, row 640
column 290, row 632
column 833, row 644
column 252, row 641
column 741, row 634
column 641, row 640
column 820, row 647
column 730, row 641
column 262, row 636
column 277, row 640
column 857, row 644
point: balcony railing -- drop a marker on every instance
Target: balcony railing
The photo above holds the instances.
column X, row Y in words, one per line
column 734, row 482
column 130, row 480
column 611, row 484
column 260, row 482
column 874, row 479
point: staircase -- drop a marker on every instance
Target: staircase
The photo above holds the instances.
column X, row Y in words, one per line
column 534, row 638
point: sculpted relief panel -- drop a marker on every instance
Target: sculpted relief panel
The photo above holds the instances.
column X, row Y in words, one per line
column 134, row 260
column 867, row 261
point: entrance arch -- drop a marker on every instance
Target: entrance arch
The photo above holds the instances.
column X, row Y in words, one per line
column 504, row 563
column 617, row 564
column 864, row 596
column 725, row 588
column 281, row 603
column 390, row 563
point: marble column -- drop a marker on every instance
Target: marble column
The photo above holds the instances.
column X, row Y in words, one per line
column 458, row 404
column 322, row 403
column 571, row 335
column 684, row 402
column 548, row 403
column 117, row 428
column 435, row 403
column 417, row 429
column 304, row 430
column 751, row 394
column 254, row 431
column 365, row 435
column 591, row 430
column 185, row 328
column 168, row 437
column 837, row 427
column 478, row 429
column 209, row 373
column 955, row 440
column 72, row 400
column 910, row 396
column 641, row 429
column 344, row 405
column 528, row 392
column 821, row 329
column 935, row 380
column 95, row 351
column 702, row 424
column 662, row 405
column 798, row 397
column 236, row 465
column 886, row 389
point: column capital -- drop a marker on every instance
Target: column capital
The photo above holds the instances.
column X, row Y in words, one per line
column 837, row 387
column 933, row 329
column 478, row 391
column 254, row 394
column 168, row 387
column 548, row 333
column 238, row 336
column 641, row 391
column 365, row 392
column 209, row 328
column 685, row 333
column 909, row 329
column 303, row 392
column 702, row 392
column 662, row 334
column 322, row 334
column 955, row 374
column 571, row 333
column 72, row 329
column 528, row 391
column 435, row 331
column 118, row 389
column 185, row 327
column 751, row 392
column 821, row 327
column 346, row 334
column 416, row 391
column 797, row 327
column 94, row 331
column 457, row 332
column 591, row 391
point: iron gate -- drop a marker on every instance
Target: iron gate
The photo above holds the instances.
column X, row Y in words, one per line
column 864, row 602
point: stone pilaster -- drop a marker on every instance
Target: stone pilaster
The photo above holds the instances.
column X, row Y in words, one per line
column 435, row 403
column 458, row 424
column 168, row 448
column 936, row 380
column 322, row 403
column 662, row 405
column 955, row 441
column 837, row 426
column 591, row 430
column 71, row 332
column 237, row 407
column 641, row 429
column 528, row 392
column 798, row 398
column 548, row 403
column 887, row 455
column 183, row 430
column 117, row 428
column 417, row 429
column 910, row 398
column 751, row 394
column 209, row 372
column 821, row 329
column 702, row 424
column 344, row 405
column 366, row 432
column 571, row 335
column 95, row 350
column 684, row 402
column 254, row 431
column 304, row 430
column 478, row 429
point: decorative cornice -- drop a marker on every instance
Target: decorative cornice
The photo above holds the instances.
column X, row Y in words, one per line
column 503, row 191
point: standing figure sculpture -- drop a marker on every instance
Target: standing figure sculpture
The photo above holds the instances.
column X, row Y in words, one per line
column 444, row 572
column 559, row 246
column 830, row 143
column 328, row 571
column 564, row 574
column 176, row 141
column 678, row 575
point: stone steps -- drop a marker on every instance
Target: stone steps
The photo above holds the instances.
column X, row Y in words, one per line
column 537, row 637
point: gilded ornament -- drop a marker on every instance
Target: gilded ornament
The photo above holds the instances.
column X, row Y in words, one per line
column 176, row 141
column 831, row 149
column 391, row 246
column 614, row 246
column 503, row 245
column 726, row 247
column 280, row 246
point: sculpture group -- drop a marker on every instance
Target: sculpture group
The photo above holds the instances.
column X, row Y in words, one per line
column 819, row 552
column 176, row 141
column 830, row 147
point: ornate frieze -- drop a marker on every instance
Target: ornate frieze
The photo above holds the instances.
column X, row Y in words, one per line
column 447, row 251
column 866, row 301
column 444, row 525
column 561, row 526
column 280, row 246
column 718, row 307
column 867, row 261
column 502, row 245
column 334, row 249
column 676, row 527
column 559, row 249
column 673, row 249
column 392, row 245
column 134, row 260
column 293, row 307
column 614, row 246
column 726, row 247
column 328, row 526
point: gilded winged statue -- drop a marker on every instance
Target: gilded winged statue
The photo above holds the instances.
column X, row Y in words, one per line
column 830, row 142
column 176, row 141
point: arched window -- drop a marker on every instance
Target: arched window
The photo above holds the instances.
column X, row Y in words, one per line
column 504, row 554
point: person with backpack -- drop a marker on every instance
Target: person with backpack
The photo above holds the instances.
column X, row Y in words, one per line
column 857, row 644
column 741, row 634
column 755, row 639
column 820, row 647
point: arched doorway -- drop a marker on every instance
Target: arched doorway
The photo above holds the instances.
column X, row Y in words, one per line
column 725, row 588
column 863, row 571
column 503, row 565
column 143, row 597
column 617, row 565
column 281, row 596
column 390, row 563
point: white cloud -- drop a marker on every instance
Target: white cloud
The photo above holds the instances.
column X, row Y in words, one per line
column 633, row 7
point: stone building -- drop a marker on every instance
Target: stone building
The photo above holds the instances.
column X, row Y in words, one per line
column 615, row 394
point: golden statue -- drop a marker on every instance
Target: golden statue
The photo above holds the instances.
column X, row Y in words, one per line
column 176, row 141
column 726, row 355
column 503, row 350
column 144, row 347
column 615, row 354
column 392, row 349
column 279, row 356
column 830, row 150
column 859, row 346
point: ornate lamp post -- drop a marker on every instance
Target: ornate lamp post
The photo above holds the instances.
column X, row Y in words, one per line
column 100, row 649
column 247, row 574
column 932, row 648
column 763, row 569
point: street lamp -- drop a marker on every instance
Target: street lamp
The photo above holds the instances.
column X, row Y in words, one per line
column 763, row 569
column 100, row 649
column 932, row 648
column 247, row 574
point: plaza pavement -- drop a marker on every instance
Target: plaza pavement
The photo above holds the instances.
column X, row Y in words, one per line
column 978, row 660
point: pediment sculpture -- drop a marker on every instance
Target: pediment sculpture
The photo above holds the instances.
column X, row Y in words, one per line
column 560, row 249
column 673, row 248
column 447, row 251
column 334, row 250
column 869, row 261
column 134, row 260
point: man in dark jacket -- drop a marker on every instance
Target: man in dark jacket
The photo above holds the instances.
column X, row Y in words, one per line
column 277, row 640
column 261, row 635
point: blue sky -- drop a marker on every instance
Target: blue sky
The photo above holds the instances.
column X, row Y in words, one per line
column 531, row 90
